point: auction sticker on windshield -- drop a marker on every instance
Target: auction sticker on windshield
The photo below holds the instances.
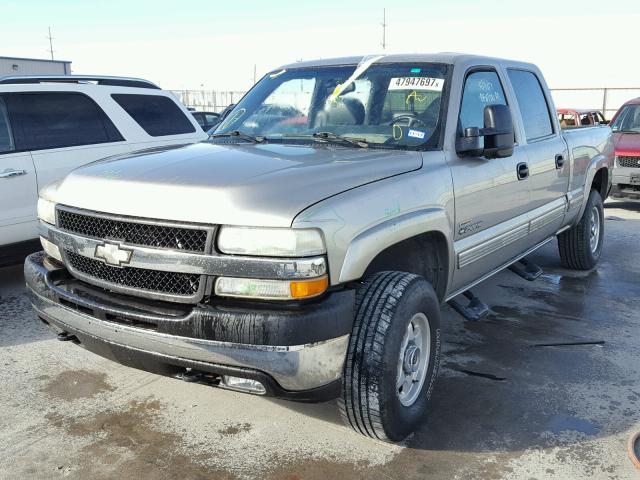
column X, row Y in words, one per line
column 416, row 83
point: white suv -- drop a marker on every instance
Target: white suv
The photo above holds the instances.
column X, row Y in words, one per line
column 51, row 125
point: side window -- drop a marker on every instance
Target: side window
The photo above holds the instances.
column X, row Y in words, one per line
column 481, row 88
column 533, row 104
column 210, row 118
column 55, row 120
column 6, row 137
column 567, row 119
column 156, row 114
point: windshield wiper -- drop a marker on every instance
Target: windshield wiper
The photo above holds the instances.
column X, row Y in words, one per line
column 239, row 134
column 330, row 136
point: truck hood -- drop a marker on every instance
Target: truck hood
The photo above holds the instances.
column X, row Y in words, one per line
column 627, row 143
column 258, row 185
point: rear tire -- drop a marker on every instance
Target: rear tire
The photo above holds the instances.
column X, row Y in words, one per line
column 581, row 246
column 393, row 356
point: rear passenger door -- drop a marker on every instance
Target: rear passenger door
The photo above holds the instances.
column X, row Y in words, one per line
column 62, row 130
column 547, row 154
column 18, row 187
column 491, row 202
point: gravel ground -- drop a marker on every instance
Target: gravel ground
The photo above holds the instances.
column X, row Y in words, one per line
column 503, row 407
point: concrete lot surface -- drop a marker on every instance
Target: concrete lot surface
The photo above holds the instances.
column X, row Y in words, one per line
column 503, row 407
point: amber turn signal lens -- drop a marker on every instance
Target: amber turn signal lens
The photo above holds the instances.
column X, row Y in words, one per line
column 309, row 288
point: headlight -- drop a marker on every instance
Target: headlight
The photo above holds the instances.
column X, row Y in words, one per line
column 270, row 289
column 46, row 211
column 271, row 242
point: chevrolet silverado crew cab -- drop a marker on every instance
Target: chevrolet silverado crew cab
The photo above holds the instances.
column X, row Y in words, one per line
column 306, row 255
column 50, row 125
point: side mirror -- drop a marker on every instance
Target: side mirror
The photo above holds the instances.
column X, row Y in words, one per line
column 495, row 140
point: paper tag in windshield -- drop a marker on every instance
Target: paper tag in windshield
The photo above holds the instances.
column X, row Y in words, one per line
column 416, row 83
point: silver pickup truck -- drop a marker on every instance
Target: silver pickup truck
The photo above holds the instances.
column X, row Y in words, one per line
column 304, row 251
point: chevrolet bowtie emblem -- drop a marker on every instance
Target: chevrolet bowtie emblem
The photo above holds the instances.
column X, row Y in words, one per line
column 113, row 254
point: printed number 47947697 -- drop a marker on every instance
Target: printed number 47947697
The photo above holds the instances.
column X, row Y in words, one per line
column 416, row 82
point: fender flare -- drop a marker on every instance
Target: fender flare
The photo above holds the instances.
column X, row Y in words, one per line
column 597, row 162
column 369, row 243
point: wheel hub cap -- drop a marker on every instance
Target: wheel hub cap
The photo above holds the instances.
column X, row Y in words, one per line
column 594, row 232
column 413, row 361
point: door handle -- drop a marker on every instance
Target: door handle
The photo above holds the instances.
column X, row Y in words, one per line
column 12, row 173
column 559, row 161
column 523, row 171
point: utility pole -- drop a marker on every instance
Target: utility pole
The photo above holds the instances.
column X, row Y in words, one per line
column 50, row 43
column 384, row 28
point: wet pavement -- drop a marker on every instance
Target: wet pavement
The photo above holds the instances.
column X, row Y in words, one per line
column 546, row 387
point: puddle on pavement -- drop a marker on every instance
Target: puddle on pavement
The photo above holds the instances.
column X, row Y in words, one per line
column 74, row 384
column 563, row 423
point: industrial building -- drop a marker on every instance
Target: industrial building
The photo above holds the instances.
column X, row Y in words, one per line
column 33, row 66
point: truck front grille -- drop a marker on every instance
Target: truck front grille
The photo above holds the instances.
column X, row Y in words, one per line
column 134, row 233
column 629, row 162
column 152, row 281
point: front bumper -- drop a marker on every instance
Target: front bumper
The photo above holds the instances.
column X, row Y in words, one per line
column 622, row 189
column 622, row 185
column 295, row 352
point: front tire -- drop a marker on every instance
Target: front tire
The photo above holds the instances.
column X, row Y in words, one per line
column 581, row 246
column 393, row 356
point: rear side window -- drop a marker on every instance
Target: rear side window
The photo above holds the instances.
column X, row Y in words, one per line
column 6, row 138
column 567, row 119
column 55, row 120
column 156, row 114
column 533, row 105
column 481, row 88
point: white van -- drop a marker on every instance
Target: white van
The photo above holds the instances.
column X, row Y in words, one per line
column 50, row 125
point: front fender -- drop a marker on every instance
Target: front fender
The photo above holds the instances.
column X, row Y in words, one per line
column 362, row 222
column 369, row 243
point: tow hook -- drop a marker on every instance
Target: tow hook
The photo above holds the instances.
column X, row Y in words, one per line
column 67, row 337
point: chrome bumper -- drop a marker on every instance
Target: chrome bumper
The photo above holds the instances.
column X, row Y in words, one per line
column 299, row 367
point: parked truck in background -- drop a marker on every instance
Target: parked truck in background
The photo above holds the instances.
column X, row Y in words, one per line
column 626, row 138
column 307, row 257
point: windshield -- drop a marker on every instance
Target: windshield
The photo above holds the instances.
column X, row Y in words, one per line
column 387, row 105
column 628, row 120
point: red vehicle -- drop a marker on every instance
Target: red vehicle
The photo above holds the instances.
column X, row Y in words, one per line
column 626, row 138
column 576, row 117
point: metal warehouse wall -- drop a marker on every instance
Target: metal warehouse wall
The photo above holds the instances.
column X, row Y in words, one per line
column 31, row 66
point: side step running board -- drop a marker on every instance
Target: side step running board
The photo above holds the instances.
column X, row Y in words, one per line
column 473, row 310
column 526, row 269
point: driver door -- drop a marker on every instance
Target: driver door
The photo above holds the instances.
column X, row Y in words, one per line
column 491, row 200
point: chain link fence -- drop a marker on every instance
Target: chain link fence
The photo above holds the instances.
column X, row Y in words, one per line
column 607, row 100
column 208, row 100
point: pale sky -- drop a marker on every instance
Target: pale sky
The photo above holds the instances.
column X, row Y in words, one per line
column 215, row 44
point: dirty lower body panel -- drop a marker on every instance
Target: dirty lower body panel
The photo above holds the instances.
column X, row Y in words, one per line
column 294, row 352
